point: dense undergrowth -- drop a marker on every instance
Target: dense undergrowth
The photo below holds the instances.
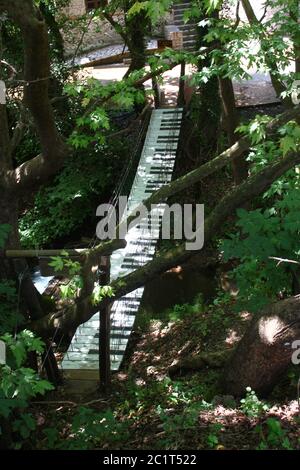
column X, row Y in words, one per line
column 63, row 206
column 147, row 409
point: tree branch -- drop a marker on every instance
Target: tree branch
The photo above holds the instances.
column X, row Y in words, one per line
column 278, row 86
column 252, row 187
column 207, row 169
column 108, row 15
column 36, row 74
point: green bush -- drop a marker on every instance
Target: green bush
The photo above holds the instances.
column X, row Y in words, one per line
column 274, row 436
column 262, row 234
column 18, row 384
column 64, row 205
column 251, row 405
column 10, row 316
column 89, row 429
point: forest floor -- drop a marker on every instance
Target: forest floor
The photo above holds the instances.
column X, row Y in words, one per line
column 167, row 394
column 156, row 404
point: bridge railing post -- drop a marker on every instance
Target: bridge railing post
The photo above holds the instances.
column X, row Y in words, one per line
column 181, row 97
column 104, row 329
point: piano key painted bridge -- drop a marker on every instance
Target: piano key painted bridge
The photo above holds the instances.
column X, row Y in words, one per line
column 154, row 170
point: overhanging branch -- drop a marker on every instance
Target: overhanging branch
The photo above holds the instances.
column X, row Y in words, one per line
column 36, row 77
column 83, row 311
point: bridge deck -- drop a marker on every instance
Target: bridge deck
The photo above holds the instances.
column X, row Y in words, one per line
column 154, row 171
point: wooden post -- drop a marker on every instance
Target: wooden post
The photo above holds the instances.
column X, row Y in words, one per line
column 181, row 98
column 51, row 367
column 104, row 329
column 177, row 40
column 156, row 92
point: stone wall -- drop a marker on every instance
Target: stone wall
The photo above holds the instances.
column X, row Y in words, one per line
column 75, row 8
column 99, row 33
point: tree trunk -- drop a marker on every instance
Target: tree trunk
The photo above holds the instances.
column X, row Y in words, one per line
column 135, row 34
column 56, row 36
column 18, row 270
column 203, row 123
column 204, row 109
column 135, row 30
column 231, row 121
column 265, row 351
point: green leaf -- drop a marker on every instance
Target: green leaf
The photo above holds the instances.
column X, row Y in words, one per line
column 43, row 386
column 57, row 263
column 288, row 143
column 9, row 404
column 137, row 7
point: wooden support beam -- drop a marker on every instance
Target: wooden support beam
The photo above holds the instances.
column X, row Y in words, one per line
column 156, row 92
column 104, row 332
column 106, row 249
column 118, row 58
column 181, row 98
column 76, row 254
column 42, row 253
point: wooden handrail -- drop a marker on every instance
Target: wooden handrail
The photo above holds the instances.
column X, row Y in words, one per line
column 42, row 253
column 105, row 250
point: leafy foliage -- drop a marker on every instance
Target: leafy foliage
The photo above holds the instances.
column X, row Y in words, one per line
column 72, row 288
column 262, row 234
column 274, row 436
column 18, row 383
column 175, row 425
column 89, row 429
column 100, row 292
column 59, row 263
column 212, row 438
column 10, row 317
column 153, row 9
column 63, row 206
column 4, row 232
column 264, row 151
column 268, row 50
column 251, row 405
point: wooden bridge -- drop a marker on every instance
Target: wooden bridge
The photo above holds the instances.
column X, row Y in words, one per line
column 154, row 170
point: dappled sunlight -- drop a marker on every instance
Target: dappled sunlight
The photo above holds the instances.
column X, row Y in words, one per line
column 122, row 376
column 268, row 327
column 232, row 338
column 176, row 269
column 245, row 316
column 140, row 382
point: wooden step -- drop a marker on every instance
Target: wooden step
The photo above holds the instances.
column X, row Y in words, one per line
column 154, row 171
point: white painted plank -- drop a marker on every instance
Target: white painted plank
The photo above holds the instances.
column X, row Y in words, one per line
column 154, row 171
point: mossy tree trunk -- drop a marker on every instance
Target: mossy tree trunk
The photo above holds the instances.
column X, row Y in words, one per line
column 231, row 121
